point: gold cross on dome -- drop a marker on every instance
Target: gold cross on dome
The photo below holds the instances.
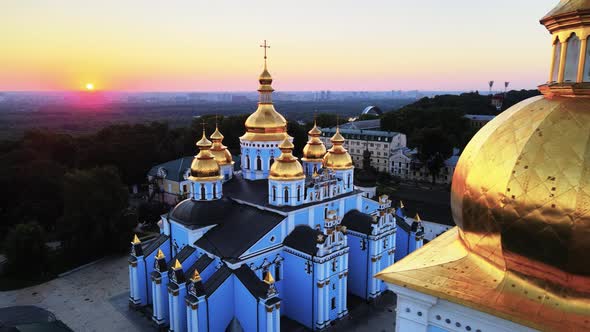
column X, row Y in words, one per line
column 265, row 46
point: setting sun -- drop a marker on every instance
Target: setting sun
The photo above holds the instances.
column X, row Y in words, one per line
column 89, row 86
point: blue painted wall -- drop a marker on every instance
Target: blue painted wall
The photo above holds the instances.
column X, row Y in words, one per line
column 435, row 329
column 179, row 235
column 357, row 267
column 297, row 294
column 245, row 306
column 265, row 242
column 401, row 241
column 221, row 306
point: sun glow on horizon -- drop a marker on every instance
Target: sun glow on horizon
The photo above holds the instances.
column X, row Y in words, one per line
column 89, row 86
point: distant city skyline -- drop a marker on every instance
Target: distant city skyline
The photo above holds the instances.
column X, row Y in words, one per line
column 332, row 45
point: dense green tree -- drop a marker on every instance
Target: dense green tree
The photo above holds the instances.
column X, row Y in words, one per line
column 96, row 220
column 434, row 147
column 26, row 252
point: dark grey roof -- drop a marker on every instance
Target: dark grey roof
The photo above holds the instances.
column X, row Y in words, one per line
column 255, row 286
column 240, row 226
column 304, row 239
column 256, row 192
column 217, row 280
column 196, row 214
column 175, row 169
column 152, row 246
column 401, row 223
column 430, row 211
column 199, row 265
column 358, row 222
column 364, row 125
column 182, row 255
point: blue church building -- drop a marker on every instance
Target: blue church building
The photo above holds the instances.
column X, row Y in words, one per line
column 281, row 237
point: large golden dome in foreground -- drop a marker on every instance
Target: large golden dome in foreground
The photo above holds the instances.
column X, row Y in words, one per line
column 521, row 191
column 521, row 200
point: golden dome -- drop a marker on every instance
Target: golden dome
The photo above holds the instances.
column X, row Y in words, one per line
column 521, row 191
column 265, row 124
column 204, row 167
column 315, row 149
column 337, row 157
column 218, row 150
column 286, row 166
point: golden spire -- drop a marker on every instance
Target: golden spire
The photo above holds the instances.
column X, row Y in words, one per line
column 315, row 149
column 204, row 167
column 286, row 166
column 417, row 218
column 268, row 278
column 135, row 239
column 177, row 265
column 401, row 204
column 160, row 254
column 196, row 276
column 220, row 151
column 204, row 143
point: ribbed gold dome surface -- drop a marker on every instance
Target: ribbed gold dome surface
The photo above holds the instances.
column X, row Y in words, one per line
column 204, row 167
column 521, row 192
column 315, row 149
column 337, row 157
column 286, row 166
column 218, row 150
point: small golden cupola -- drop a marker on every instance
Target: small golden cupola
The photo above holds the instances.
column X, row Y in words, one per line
column 221, row 154
column 286, row 166
column 204, row 166
column 205, row 173
column 337, row 157
column 314, row 151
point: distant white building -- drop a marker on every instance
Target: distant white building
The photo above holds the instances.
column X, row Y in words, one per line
column 478, row 121
column 379, row 143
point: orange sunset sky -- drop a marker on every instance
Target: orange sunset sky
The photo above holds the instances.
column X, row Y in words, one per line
column 192, row 45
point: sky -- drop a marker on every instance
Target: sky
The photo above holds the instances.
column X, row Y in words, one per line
column 338, row 45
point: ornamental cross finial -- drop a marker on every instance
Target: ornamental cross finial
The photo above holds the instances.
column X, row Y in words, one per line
column 265, row 46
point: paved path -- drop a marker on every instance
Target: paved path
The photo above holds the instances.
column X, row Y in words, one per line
column 95, row 298
column 91, row 299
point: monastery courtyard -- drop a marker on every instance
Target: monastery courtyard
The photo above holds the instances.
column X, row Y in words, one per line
column 95, row 298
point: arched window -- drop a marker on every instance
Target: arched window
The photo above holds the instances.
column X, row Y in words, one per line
column 349, row 177
column 258, row 163
column 572, row 59
column 272, row 161
column 286, row 194
column 215, row 191
column 315, row 169
column 247, row 164
column 298, row 193
column 202, row 191
column 274, row 193
column 556, row 61
column 586, row 76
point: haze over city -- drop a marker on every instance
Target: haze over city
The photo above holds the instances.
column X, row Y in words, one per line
column 328, row 45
